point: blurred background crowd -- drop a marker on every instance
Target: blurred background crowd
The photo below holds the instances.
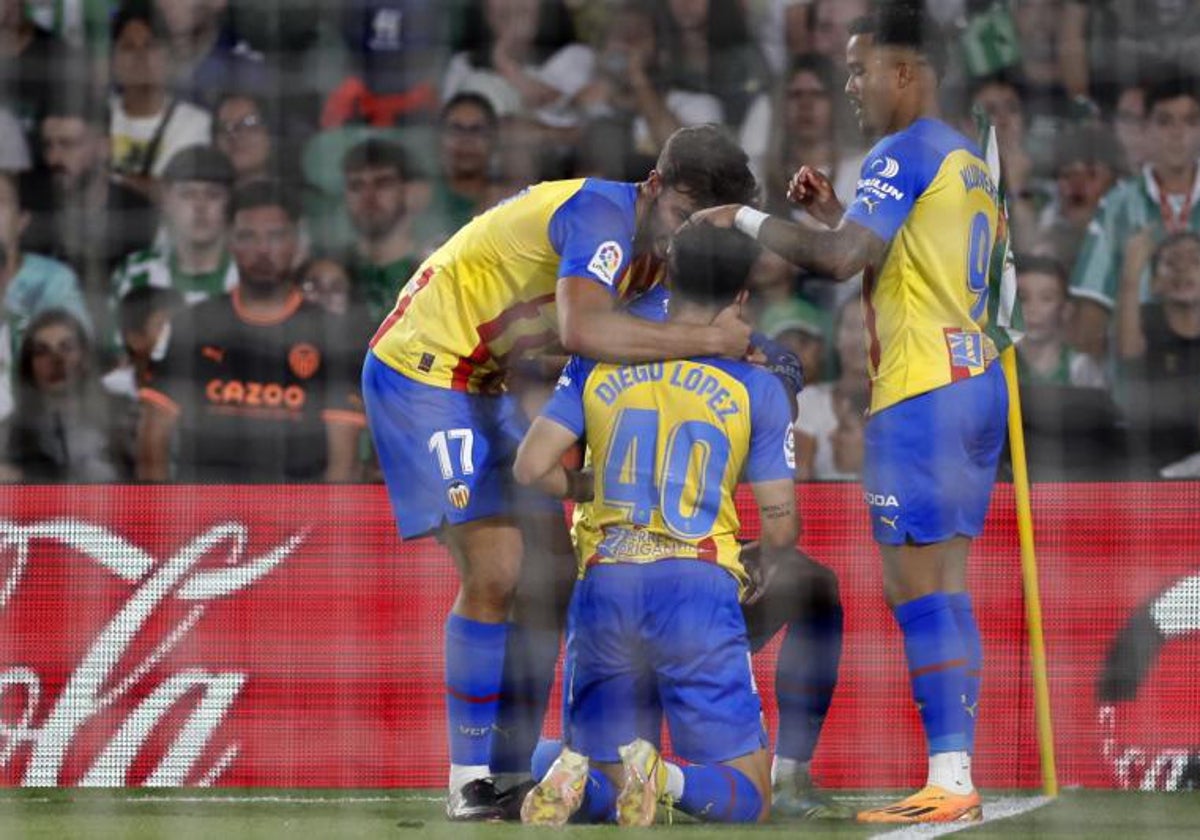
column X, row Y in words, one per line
column 158, row 155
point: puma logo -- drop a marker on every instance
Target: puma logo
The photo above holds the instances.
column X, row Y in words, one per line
column 971, row 709
column 890, row 522
column 216, row 354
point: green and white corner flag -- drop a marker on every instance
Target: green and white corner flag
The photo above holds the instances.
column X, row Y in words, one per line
column 1005, row 325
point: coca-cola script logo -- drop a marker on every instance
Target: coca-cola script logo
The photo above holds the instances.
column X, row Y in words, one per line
column 93, row 686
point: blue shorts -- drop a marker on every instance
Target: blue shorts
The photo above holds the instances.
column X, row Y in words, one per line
column 446, row 455
column 664, row 637
column 930, row 461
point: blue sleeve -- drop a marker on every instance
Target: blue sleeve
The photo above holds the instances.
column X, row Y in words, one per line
column 652, row 306
column 783, row 363
column 893, row 176
column 565, row 406
column 772, row 453
column 593, row 237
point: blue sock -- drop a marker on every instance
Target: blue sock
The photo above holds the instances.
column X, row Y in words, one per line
column 964, row 615
column 474, row 659
column 718, row 793
column 529, row 659
column 937, row 665
column 600, row 795
column 805, row 677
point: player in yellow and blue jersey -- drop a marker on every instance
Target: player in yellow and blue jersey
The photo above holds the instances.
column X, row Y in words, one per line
column 921, row 229
column 655, row 625
column 548, row 268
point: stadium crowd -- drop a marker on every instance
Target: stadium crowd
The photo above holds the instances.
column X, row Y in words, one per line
column 208, row 206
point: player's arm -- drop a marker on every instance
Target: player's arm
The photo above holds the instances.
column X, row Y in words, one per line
column 839, row 253
column 539, row 462
column 539, row 459
column 590, row 324
column 153, row 446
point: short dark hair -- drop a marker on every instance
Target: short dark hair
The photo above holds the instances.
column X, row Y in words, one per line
column 904, row 23
column 1170, row 241
column 710, row 265
column 1170, row 85
column 704, row 162
column 90, row 110
column 1040, row 264
column 139, row 303
column 468, row 97
column 265, row 193
column 135, row 10
column 376, row 152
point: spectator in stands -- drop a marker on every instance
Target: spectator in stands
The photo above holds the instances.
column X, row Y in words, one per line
column 1103, row 46
column 1000, row 97
column 257, row 382
column 465, row 184
column 205, row 56
column 1158, row 345
column 14, row 151
column 782, row 28
column 800, row 327
column 36, row 68
column 805, row 134
column 1163, row 196
column 29, row 284
column 1087, row 160
column 385, row 254
column 92, row 221
column 1129, row 124
column 1043, row 356
column 397, row 51
column 195, row 205
column 149, row 123
column 60, row 430
column 326, row 283
column 709, row 50
column 630, row 110
column 831, row 21
column 244, row 131
column 830, row 415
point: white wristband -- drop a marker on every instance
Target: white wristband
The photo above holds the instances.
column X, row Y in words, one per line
column 750, row 221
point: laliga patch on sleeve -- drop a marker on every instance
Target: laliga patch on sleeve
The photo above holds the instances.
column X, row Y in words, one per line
column 789, row 449
column 606, row 262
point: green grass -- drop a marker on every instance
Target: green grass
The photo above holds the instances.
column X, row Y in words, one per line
column 313, row 815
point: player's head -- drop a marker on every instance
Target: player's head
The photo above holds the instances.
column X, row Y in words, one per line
column 265, row 239
column 709, row 267
column 894, row 58
column 699, row 166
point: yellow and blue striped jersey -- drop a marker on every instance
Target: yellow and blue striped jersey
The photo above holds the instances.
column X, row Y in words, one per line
column 926, row 191
column 669, row 443
column 487, row 295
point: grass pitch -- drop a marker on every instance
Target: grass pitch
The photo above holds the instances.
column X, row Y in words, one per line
column 311, row 814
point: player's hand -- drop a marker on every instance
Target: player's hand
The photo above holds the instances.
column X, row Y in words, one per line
column 812, row 190
column 759, row 575
column 732, row 334
column 721, row 217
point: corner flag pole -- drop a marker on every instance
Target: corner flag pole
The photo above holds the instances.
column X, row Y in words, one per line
column 1029, row 577
column 1004, row 326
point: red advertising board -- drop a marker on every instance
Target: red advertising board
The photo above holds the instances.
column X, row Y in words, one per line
column 283, row 636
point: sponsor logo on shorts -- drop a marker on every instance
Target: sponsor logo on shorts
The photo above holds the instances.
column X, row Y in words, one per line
column 884, row 500
column 459, row 494
column 889, row 521
column 606, row 262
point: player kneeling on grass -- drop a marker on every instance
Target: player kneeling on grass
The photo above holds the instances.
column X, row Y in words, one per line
column 655, row 624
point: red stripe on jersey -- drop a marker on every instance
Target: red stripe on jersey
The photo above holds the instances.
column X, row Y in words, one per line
column 461, row 375
column 401, row 305
column 938, row 666
column 528, row 342
column 471, row 698
column 489, row 330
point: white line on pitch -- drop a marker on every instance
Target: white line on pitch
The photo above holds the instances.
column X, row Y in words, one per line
column 999, row 809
